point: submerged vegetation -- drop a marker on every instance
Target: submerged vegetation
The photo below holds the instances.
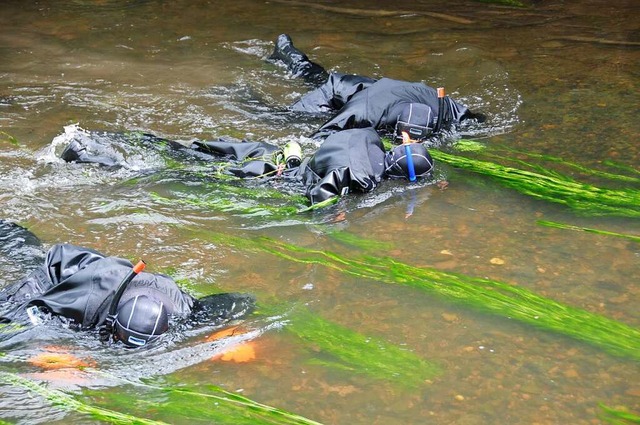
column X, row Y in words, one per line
column 509, row 301
column 554, row 187
column 214, row 201
column 344, row 349
column 334, row 346
column 6, row 137
column 68, row 402
column 618, row 416
column 588, row 230
column 227, row 408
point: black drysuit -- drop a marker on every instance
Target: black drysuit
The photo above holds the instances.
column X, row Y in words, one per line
column 79, row 283
column 350, row 160
column 362, row 102
column 359, row 101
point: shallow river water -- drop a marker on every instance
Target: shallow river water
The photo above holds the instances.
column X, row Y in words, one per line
column 558, row 79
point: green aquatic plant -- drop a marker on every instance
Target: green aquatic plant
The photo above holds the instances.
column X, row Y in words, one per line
column 502, row 299
column 216, row 406
column 623, row 167
column 495, row 152
column 334, row 346
column 553, row 187
column 210, row 404
column 618, row 416
column 6, row 137
column 587, row 229
column 243, row 200
column 344, row 349
column 319, row 205
column 358, row 242
column 212, row 202
column 68, row 402
column 10, row 328
column 468, row 145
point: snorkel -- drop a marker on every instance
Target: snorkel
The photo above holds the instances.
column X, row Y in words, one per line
column 107, row 329
column 406, row 141
column 441, row 95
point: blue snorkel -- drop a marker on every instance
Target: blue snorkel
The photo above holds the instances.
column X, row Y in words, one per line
column 406, row 140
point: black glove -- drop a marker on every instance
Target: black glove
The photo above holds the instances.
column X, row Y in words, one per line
column 471, row 115
column 217, row 309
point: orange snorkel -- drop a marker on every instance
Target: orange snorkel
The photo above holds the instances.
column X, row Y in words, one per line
column 441, row 95
column 107, row 330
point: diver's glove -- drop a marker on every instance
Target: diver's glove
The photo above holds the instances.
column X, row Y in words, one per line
column 217, row 309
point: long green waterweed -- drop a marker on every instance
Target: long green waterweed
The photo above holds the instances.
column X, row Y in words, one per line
column 466, row 145
column 243, row 200
column 210, row 403
column 228, row 407
column 623, row 167
column 340, row 348
column 587, row 229
column 319, row 205
column 546, row 184
column 490, row 296
column 68, row 402
column 228, row 197
column 618, row 416
column 358, row 242
column 8, row 329
column 532, row 179
column 553, row 187
column 225, row 204
column 6, row 137
column 336, row 346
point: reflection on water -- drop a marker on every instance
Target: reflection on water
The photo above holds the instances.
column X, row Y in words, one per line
column 554, row 79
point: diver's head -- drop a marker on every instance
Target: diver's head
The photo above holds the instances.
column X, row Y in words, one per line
column 140, row 321
column 409, row 160
column 416, row 119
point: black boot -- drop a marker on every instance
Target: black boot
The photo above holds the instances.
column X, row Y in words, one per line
column 297, row 62
column 77, row 152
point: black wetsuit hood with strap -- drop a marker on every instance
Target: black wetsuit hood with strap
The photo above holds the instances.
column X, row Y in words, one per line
column 79, row 283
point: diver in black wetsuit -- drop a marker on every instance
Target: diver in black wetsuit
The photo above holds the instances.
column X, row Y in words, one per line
column 80, row 284
column 358, row 101
column 352, row 160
